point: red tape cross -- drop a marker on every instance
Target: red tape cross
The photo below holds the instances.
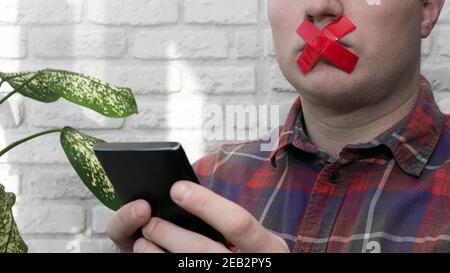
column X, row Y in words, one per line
column 324, row 43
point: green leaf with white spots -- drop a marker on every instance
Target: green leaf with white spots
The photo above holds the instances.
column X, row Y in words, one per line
column 91, row 93
column 10, row 240
column 29, row 85
column 49, row 84
column 79, row 149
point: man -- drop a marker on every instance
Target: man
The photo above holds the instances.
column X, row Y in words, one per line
column 362, row 163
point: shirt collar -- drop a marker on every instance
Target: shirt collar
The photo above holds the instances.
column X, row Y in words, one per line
column 411, row 141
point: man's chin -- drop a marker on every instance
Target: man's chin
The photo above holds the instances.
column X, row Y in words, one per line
column 329, row 85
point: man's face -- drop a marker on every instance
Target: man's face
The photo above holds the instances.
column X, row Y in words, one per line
column 387, row 40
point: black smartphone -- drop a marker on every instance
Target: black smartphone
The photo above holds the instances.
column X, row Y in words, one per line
column 147, row 171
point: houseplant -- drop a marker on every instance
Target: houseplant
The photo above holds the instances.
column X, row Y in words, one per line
column 47, row 86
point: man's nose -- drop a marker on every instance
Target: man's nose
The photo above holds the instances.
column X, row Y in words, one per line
column 321, row 12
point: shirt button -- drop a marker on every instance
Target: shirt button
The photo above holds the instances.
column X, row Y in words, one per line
column 334, row 177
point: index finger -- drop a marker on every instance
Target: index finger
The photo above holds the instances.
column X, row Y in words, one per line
column 233, row 221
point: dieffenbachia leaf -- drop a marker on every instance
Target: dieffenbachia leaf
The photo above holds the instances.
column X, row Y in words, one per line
column 29, row 85
column 49, row 84
column 10, row 240
column 79, row 150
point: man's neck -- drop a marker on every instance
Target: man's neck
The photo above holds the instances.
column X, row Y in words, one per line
column 331, row 130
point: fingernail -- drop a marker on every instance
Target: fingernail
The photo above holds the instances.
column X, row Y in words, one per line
column 140, row 246
column 181, row 191
column 150, row 226
column 139, row 211
column 141, row 249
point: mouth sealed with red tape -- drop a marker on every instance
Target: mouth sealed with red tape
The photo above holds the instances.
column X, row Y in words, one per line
column 324, row 43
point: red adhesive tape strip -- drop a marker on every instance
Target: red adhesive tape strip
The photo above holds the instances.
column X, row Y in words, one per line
column 324, row 43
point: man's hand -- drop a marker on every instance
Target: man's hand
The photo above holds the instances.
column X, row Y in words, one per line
column 126, row 222
column 234, row 222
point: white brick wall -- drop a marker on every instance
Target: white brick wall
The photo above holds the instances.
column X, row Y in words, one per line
column 177, row 55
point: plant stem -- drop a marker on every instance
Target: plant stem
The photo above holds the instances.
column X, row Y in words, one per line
column 20, row 87
column 5, row 150
column 1, row 83
column 7, row 96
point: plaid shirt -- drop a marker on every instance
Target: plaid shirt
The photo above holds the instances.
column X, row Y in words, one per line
column 389, row 195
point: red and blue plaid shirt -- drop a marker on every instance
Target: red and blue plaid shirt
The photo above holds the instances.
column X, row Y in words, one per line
column 389, row 195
